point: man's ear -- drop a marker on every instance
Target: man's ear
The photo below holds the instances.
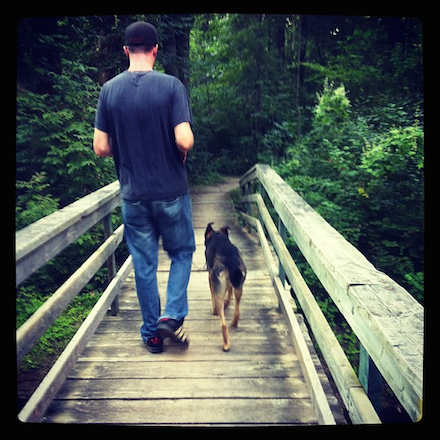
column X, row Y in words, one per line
column 154, row 51
column 126, row 51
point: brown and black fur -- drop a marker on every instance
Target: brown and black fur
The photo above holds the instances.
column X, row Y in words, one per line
column 227, row 273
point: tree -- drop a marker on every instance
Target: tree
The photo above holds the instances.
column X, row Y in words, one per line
column 243, row 87
column 174, row 30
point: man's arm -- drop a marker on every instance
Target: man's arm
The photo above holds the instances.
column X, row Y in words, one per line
column 101, row 143
column 184, row 137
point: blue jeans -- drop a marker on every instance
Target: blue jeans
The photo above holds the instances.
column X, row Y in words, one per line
column 144, row 222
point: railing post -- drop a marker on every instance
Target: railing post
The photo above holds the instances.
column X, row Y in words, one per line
column 111, row 261
column 370, row 378
column 281, row 271
column 262, row 192
column 246, row 207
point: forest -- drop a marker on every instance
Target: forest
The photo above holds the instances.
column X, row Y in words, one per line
column 333, row 103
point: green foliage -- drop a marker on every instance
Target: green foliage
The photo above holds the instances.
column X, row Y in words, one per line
column 57, row 335
column 33, row 201
column 202, row 168
column 333, row 106
column 368, row 184
column 234, row 78
column 400, row 149
column 54, row 136
column 276, row 142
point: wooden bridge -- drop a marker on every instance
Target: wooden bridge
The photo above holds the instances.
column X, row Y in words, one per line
column 272, row 374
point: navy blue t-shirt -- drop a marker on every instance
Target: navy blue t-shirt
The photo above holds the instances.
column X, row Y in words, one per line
column 139, row 111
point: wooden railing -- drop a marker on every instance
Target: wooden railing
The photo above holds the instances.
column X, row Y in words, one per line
column 386, row 319
column 35, row 246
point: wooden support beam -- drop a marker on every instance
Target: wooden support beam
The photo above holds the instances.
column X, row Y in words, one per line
column 370, row 378
column 282, row 232
column 111, row 261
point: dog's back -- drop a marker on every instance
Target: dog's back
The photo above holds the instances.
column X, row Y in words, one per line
column 221, row 253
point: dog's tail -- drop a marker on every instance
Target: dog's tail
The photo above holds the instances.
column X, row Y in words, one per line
column 237, row 271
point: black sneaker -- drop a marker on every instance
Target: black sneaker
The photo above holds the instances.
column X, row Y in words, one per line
column 171, row 328
column 154, row 345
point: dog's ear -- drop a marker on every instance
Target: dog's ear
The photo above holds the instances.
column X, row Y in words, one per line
column 209, row 231
column 224, row 230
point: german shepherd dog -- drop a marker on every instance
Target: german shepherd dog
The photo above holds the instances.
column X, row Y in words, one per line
column 227, row 272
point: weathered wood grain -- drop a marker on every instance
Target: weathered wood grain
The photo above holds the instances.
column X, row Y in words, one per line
column 203, row 388
column 194, row 411
column 36, row 244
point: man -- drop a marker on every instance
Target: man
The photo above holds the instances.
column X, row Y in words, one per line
column 143, row 122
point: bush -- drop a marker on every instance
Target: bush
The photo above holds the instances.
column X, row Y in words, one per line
column 33, row 200
column 369, row 185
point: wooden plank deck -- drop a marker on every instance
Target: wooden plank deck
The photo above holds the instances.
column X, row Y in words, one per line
column 259, row 382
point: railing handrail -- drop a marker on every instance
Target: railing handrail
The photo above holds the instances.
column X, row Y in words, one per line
column 387, row 320
column 42, row 240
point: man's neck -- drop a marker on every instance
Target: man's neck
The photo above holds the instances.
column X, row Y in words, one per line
column 140, row 63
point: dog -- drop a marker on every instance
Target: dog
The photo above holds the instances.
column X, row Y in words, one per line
column 227, row 272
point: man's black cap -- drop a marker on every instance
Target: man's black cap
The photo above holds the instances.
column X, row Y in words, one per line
column 140, row 33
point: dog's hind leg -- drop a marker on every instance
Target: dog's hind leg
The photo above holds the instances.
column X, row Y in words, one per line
column 211, row 288
column 237, row 291
column 228, row 299
column 220, row 306
column 218, row 294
